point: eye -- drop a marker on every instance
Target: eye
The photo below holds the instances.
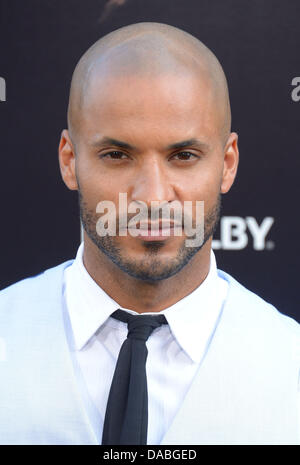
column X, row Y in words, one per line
column 185, row 156
column 115, row 155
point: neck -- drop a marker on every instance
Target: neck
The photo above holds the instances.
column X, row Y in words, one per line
column 142, row 296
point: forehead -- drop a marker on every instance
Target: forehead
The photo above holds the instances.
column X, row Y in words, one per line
column 137, row 103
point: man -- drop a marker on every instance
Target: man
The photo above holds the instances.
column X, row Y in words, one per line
column 149, row 119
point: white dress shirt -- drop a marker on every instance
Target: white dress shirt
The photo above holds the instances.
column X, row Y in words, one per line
column 175, row 351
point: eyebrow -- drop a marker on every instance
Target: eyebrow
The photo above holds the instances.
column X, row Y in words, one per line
column 189, row 143
column 177, row 145
column 110, row 141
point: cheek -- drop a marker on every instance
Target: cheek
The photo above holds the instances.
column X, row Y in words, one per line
column 95, row 185
column 204, row 185
column 96, row 190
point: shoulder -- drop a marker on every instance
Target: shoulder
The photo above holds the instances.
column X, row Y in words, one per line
column 259, row 315
column 36, row 287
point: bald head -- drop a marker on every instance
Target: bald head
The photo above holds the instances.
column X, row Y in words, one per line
column 149, row 50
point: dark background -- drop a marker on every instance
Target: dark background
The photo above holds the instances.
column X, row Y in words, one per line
column 257, row 43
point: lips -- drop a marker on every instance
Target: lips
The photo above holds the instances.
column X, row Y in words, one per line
column 154, row 225
column 158, row 225
column 160, row 230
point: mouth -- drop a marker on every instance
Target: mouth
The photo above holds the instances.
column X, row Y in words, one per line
column 156, row 231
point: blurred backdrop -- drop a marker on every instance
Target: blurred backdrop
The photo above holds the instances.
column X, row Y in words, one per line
column 257, row 43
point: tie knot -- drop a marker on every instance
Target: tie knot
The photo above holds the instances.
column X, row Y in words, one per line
column 139, row 326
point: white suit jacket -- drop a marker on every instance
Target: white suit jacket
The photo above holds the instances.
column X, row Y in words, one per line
column 245, row 391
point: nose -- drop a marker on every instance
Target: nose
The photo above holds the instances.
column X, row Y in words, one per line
column 152, row 183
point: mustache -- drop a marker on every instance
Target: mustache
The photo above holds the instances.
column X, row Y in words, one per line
column 124, row 222
column 157, row 222
column 154, row 216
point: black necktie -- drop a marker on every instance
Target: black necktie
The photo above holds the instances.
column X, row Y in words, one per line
column 126, row 417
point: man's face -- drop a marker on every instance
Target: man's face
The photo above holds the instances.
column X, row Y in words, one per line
column 150, row 116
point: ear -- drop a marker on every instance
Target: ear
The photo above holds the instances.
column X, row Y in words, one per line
column 231, row 160
column 66, row 155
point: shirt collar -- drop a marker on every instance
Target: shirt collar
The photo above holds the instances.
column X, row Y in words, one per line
column 191, row 320
column 88, row 304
